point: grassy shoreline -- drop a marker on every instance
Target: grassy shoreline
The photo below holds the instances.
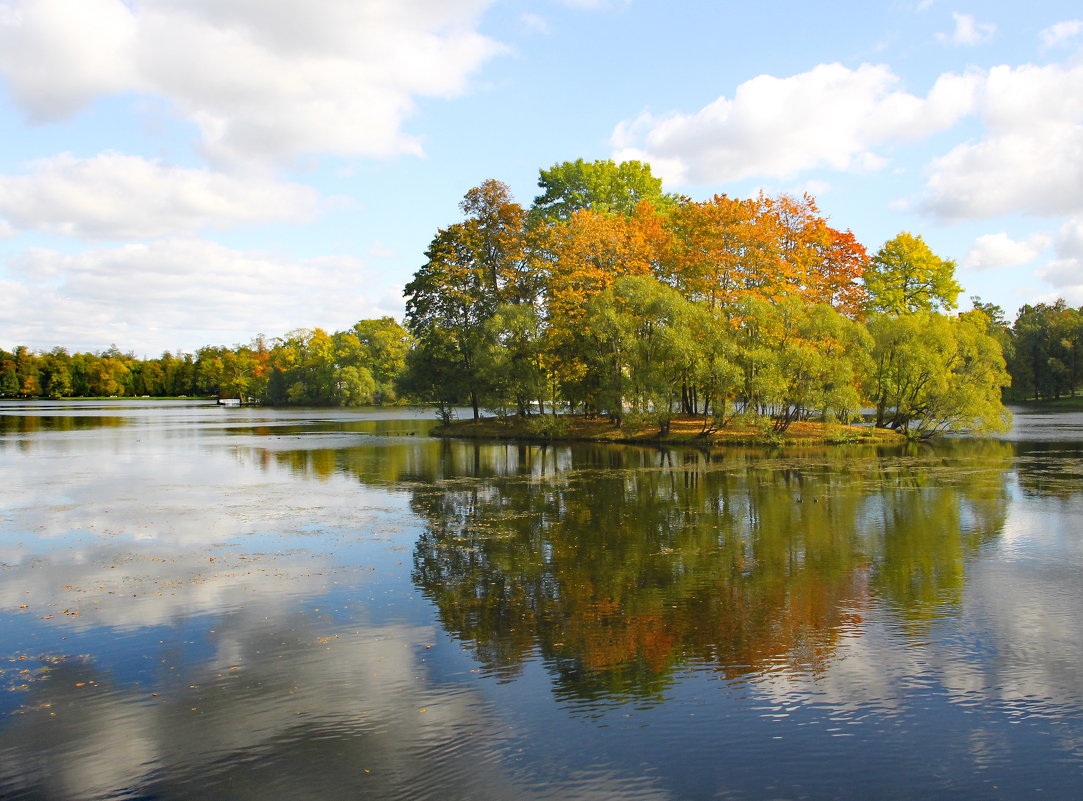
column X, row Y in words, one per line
column 1072, row 403
column 684, row 430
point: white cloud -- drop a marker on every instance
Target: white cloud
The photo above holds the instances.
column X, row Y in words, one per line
column 182, row 292
column 1030, row 161
column 113, row 196
column 535, row 23
column 1065, row 272
column 968, row 32
column 1000, row 250
column 831, row 116
column 1070, row 239
column 7, row 230
column 59, row 54
column 261, row 81
column 1060, row 32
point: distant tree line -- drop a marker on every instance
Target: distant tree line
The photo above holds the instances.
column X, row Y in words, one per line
column 305, row 367
column 1044, row 349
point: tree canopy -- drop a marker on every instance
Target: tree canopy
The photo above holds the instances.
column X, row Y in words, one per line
column 906, row 276
column 601, row 186
column 610, row 296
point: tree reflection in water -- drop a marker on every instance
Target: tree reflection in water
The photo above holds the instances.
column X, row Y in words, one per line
column 629, row 565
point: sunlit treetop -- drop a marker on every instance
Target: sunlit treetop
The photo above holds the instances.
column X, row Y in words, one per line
column 906, row 276
column 600, row 186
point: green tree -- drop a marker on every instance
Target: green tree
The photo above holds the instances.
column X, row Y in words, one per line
column 513, row 364
column 448, row 305
column 718, row 372
column 647, row 348
column 386, row 344
column 472, row 267
column 238, row 372
column 9, row 380
column 354, row 386
column 55, row 374
column 906, row 276
column 821, row 356
column 931, row 373
column 1046, row 355
column 601, row 186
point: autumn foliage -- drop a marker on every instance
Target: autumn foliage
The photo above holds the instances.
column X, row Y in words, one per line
column 617, row 298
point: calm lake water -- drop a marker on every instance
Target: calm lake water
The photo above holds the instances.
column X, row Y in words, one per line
column 216, row 603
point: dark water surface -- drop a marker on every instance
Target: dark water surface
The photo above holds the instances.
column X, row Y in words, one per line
column 212, row 603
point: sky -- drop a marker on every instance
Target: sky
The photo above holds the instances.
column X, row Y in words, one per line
column 181, row 173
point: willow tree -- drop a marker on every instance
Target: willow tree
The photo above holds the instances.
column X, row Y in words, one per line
column 645, row 349
column 798, row 360
column 931, row 373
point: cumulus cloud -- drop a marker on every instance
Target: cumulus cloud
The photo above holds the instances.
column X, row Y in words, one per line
column 968, row 32
column 57, row 55
column 113, row 196
column 1000, row 250
column 831, row 116
column 1065, row 273
column 191, row 290
column 261, row 81
column 1031, row 159
column 1060, row 32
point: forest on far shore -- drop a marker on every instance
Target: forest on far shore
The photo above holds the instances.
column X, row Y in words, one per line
column 609, row 295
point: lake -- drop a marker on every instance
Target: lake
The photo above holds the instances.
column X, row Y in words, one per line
column 234, row 603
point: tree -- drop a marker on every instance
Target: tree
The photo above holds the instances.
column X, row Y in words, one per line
column 725, row 250
column 55, row 374
column 906, row 276
column 798, row 360
column 604, row 187
column 584, row 257
column 1046, row 356
column 354, row 386
column 514, row 363
column 931, row 374
column 448, row 304
column 386, row 344
column 717, row 373
column 644, row 330
column 495, row 235
column 711, row 255
column 9, row 380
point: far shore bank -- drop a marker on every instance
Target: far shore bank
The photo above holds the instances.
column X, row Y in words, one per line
column 1072, row 403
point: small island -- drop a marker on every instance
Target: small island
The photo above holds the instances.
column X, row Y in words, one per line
column 639, row 315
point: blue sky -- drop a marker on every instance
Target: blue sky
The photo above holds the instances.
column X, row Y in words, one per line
column 177, row 173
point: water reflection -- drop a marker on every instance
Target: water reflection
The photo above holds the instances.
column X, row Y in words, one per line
column 222, row 602
column 618, row 578
column 279, row 708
